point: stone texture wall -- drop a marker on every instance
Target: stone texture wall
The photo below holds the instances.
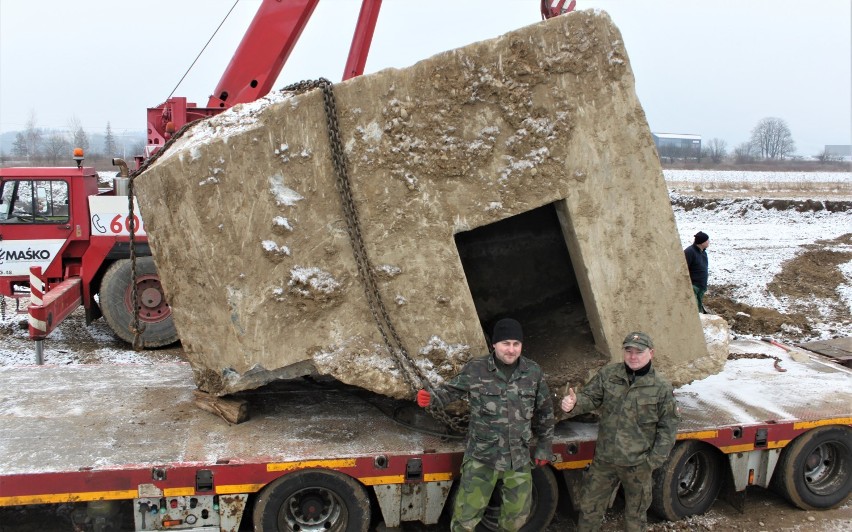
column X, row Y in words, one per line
column 247, row 230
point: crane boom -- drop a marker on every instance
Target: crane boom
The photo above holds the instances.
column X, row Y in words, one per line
column 257, row 62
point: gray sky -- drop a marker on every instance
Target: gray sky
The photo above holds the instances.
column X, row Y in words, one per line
column 712, row 68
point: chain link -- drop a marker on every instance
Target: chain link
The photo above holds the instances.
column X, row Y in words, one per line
column 137, row 328
column 411, row 372
column 3, row 308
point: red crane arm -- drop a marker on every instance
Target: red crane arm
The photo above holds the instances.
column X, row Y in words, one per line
column 362, row 38
column 257, row 62
column 268, row 42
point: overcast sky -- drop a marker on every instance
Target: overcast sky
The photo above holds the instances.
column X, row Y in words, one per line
column 712, row 68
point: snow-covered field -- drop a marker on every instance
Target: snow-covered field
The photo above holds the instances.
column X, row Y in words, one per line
column 749, row 245
column 737, row 176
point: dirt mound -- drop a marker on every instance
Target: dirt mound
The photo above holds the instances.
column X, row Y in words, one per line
column 756, row 321
column 743, row 205
column 807, row 287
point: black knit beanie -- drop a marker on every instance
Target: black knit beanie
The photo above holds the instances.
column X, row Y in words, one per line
column 507, row 329
column 701, row 237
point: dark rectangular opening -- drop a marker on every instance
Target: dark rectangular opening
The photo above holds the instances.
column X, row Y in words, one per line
column 520, row 267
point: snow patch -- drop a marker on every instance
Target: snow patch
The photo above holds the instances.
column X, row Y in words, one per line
column 305, row 281
column 280, row 221
column 270, row 246
column 283, row 194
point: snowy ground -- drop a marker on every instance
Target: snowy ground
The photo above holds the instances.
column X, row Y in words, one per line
column 754, row 237
column 749, row 244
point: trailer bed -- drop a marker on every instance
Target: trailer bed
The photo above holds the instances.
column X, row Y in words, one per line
column 58, row 421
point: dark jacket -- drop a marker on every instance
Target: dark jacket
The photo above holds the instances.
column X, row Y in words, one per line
column 504, row 414
column 696, row 261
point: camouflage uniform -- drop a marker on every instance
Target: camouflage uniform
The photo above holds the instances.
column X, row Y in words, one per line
column 504, row 416
column 637, row 430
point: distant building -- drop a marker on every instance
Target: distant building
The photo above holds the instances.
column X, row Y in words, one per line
column 673, row 146
column 841, row 152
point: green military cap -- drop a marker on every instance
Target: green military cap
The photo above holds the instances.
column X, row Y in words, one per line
column 638, row 340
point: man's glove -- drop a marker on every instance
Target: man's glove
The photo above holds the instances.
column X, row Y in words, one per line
column 541, row 462
column 423, row 398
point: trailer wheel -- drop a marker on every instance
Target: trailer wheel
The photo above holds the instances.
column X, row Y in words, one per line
column 815, row 470
column 117, row 305
column 545, row 496
column 688, row 482
column 311, row 501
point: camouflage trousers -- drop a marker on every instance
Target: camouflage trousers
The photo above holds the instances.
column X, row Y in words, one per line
column 475, row 488
column 598, row 484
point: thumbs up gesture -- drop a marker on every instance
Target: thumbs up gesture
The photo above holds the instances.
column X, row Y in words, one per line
column 569, row 401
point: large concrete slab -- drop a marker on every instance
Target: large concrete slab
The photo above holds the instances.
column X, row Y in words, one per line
column 515, row 176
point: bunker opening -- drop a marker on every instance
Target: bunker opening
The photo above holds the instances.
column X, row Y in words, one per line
column 520, row 267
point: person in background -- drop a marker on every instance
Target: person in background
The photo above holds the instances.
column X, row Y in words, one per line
column 638, row 424
column 509, row 404
column 696, row 261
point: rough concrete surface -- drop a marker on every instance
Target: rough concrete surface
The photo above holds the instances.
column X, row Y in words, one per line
column 512, row 177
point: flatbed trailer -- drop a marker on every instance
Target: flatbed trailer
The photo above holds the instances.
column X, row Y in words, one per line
column 317, row 456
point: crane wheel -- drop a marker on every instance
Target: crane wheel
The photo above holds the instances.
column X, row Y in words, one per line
column 115, row 300
column 313, row 499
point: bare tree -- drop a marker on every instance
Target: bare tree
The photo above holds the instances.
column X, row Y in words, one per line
column 20, row 147
column 79, row 137
column 772, row 138
column 716, row 150
column 56, row 148
column 137, row 147
column 744, row 153
column 110, row 147
column 33, row 136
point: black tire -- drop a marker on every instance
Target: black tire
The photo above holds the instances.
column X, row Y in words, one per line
column 815, row 470
column 545, row 497
column 154, row 313
column 688, row 482
column 312, row 500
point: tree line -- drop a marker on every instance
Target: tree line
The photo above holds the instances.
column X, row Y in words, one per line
column 770, row 140
column 35, row 144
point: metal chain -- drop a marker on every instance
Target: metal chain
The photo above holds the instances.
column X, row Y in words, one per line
column 138, row 327
column 3, row 308
column 738, row 356
column 412, row 374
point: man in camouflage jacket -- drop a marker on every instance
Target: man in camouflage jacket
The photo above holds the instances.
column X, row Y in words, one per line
column 638, row 424
column 509, row 404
